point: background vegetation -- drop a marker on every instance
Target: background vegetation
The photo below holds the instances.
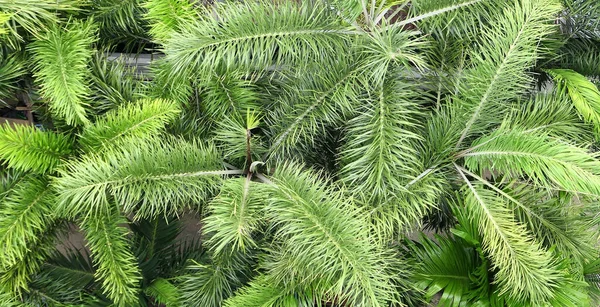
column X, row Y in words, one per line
column 316, row 141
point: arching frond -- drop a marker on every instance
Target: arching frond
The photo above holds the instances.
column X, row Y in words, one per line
column 227, row 93
column 61, row 55
column 324, row 242
column 27, row 148
column 523, row 270
column 584, row 94
column 140, row 120
column 234, row 217
column 255, row 34
column 551, row 114
column 507, row 48
column 112, row 84
column 117, row 266
column 146, row 178
column 544, row 160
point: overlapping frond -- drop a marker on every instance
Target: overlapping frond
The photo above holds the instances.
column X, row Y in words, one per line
column 551, row 114
column 228, row 93
column 117, row 266
column 27, row 148
column 11, row 69
column 524, row 271
column 507, row 48
column 235, row 216
column 584, row 94
column 26, row 213
column 324, row 242
column 143, row 119
column 146, row 178
column 262, row 292
column 166, row 16
column 546, row 161
column 61, row 55
column 208, row 284
column 255, row 34
column 112, row 84
column 444, row 265
column 317, row 98
column 121, row 22
column 380, row 155
column 33, row 16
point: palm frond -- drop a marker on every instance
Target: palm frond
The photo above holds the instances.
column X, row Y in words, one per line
column 117, row 266
column 327, row 241
column 523, row 270
column 61, row 55
column 140, row 120
column 445, row 265
column 11, row 70
column 544, row 160
column 112, row 84
column 262, row 292
column 234, row 217
column 25, row 215
column 267, row 33
column 27, row 148
column 121, row 22
column 317, row 98
column 584, row 94
column 146, row 178
column 380, row 154
column 507, row 48
column 552, row 114
column 33, row 16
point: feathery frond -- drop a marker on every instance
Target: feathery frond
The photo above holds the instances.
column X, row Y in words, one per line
column 166, row 16
column 327, row 241
column 164, row 292
column 140, row 120
column 146, row 178
column 255, row 35
column 235, row 216
column 544, row 160
column 27, row 148
column 524, row 270
column 117, row 267
column 507, row 48
column 584, row 94
column 61, row 55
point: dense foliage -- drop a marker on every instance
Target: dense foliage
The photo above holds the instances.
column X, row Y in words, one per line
column 333, row 152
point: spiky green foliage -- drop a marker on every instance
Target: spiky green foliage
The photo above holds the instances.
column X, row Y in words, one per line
column 400, row 114
column 146, row 178
column 138, row 120
column 117, row 267
column 61, row 55
column 583, row 93
column 507, row 49
column 165, row 17
column 325, row 243
column 29, row 149
column 268, row 33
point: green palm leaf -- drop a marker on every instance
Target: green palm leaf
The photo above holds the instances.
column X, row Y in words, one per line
column 30, row 149
column 61, row 55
